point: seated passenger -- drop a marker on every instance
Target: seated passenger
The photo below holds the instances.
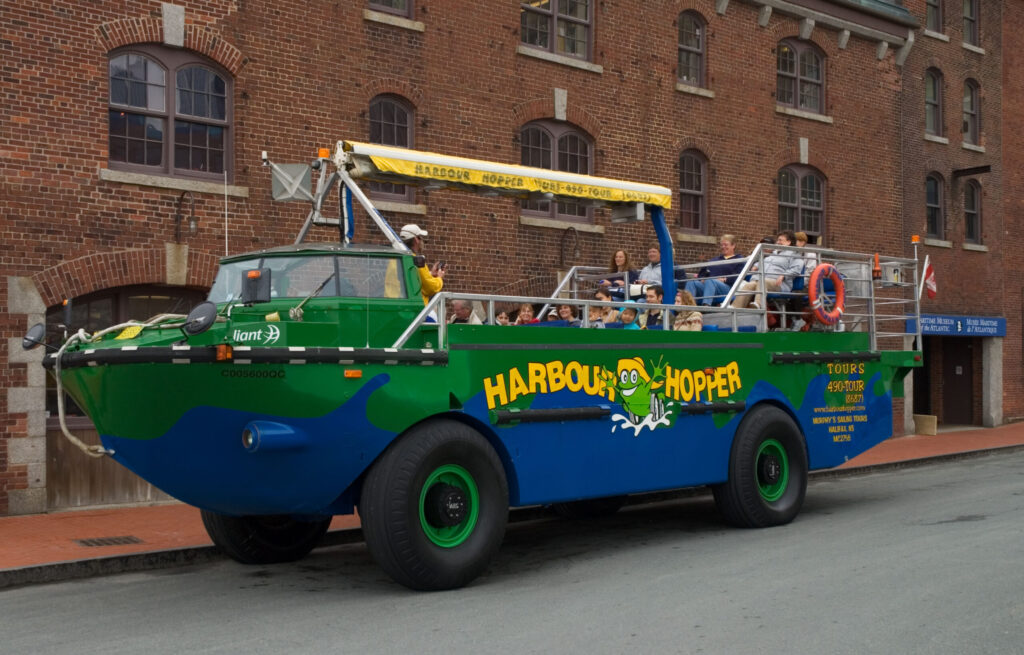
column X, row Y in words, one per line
column 620, row 276
column 687, row 320
column 628, row 316
column 810, row 258
column 608, row 314
column 501, row 318
column 568, row 313
column 525, row 314
column 462, row 312
column 715, row 280
column 596, row 317
column 780, row 268
column 656, row 296
column 651, row 274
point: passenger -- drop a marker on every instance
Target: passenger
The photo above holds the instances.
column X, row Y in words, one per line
column 780, row 268
column 595, row 316
column 628, row 316
column 714, row 281
column 810, row 258
column 621, row 277
column 687, row 320
column 525, row 314
column 552, row 315
column 568, row 313
column 651, row 274
column 656, row 296
column 608, row 314
column 431, row 280
column 501, row 318
column 462, row 312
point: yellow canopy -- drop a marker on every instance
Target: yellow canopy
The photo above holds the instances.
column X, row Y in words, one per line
column 403, row 166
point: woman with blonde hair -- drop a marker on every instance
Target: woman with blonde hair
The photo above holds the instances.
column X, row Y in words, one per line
column 525, row 315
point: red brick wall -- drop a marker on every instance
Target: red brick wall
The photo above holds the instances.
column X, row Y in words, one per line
column 1012, row 236
column 305, row 73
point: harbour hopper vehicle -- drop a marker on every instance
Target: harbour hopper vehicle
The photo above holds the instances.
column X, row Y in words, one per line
column 317, row 381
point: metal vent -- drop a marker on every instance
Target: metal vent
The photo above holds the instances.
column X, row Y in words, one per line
column 109, row 541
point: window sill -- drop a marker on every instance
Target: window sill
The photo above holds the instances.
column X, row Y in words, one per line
column 399, row 207
column 694, row 90
column 559, row 59
column 938, row 243
column 972, row 147
column 936, row 35
column 799, row 113
column 973, row 48
column 391, row 19
column 176, row 183
column 936, row 139
column 690, row 237
column 535, row 221
column 976, row 247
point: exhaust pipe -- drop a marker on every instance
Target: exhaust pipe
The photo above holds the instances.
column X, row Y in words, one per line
column 268, row 436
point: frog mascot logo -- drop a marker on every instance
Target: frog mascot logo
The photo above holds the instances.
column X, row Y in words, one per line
column 640, row 394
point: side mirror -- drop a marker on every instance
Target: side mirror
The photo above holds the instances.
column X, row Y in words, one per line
column 34, row 337
column 256, row 286
column 200, row 319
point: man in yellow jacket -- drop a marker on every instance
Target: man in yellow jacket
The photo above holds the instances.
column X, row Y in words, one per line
column 432, row 279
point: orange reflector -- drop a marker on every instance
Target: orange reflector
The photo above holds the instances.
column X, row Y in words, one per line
column 65, row 303
column 916, row 238
column 253, row 274
column 353, row 373
column 323, row 153
column 224, row 352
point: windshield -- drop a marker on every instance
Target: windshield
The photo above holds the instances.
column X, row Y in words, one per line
column 350, row 276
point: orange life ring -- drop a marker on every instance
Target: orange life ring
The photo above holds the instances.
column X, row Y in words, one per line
column 816, row 294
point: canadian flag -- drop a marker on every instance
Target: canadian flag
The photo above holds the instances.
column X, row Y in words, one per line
column 928, row 279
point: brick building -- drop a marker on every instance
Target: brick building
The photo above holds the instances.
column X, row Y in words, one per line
column 131, row 134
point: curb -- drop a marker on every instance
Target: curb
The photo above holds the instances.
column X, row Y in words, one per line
column 163, row 559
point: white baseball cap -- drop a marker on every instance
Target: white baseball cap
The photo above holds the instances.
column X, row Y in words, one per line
column 412, row 230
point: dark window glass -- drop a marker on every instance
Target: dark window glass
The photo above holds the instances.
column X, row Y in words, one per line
column 561, row 147
column 143, row 106
column 691, row 49
column 971, row 22
column 398, row 7
column 972, row 212
column 933, row 15
column 971, row 113
column 800, row 76
column 391, row 125
column 934, row 207
column 801, row 192
column 693, row 191
column 568, row 21
column 933, row 102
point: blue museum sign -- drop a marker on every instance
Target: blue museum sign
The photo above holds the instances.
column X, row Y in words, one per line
column 960, row 326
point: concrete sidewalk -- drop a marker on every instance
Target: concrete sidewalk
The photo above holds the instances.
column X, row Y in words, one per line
column 75, row 544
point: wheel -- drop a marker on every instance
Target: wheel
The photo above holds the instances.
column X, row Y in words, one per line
column 434, row 506
column 767, row 471
column 263, row 539
column 591, row 508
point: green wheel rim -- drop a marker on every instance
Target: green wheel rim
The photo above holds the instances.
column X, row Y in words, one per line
column 772, row 465
column 454, row 535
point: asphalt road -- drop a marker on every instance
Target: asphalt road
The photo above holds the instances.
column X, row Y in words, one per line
column 921, row 560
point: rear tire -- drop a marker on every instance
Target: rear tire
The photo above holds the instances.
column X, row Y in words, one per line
column 434, row 506
column 591, row 508
column 263, row 539
column 767, row 471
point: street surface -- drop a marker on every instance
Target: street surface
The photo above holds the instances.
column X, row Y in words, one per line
column 918, row 560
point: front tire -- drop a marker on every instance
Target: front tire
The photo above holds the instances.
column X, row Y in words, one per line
column 263, row 539
column 434, row 506
column 767, row 471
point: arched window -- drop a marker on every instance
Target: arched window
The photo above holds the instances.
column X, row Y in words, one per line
column 391, row 121
column 972, row 212
column 801, row 201
column 693, row 191
column 800, row 79
column 933, row 102
column 935, row 207
column 170, row 113
column 691, row 49
column 972, row 113
column 561, row 147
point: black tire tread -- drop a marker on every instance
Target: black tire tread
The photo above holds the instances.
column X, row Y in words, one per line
column 247, row 540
